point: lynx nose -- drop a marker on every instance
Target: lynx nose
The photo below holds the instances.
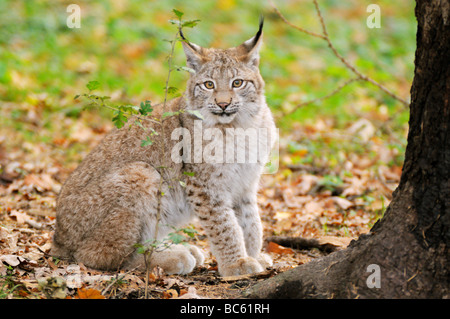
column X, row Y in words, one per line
column 223, row 105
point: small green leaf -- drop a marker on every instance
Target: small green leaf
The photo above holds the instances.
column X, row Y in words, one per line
column 190, row 23
column 191, row 232
column 176, row 22
column 172, row 90
column 120, row 119
column 141, row 250
column 176, row 238
column 178, row 13
column 93, row 85
column 146, row 142
column 167, row 114
column 103, row 98
column 189, row 173
column 145, row 108
column 126, row 108
column 196, row 113
column 76, row 96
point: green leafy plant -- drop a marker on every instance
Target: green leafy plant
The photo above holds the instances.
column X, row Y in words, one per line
column 8, row 285
column 121, row 113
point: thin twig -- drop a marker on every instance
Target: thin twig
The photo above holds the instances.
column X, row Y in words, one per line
column 148, row 255
column 106, row 106
column 325, row 36
column 293, row 25
column 163, row 133
column 114, row 281
column 335, row 91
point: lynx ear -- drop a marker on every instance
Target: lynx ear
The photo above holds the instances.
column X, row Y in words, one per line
column 193, row 53
column 250, row 48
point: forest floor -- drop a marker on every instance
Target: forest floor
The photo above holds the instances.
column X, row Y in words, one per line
column 317, row 193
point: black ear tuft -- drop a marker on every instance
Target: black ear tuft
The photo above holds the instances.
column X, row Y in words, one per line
column 250, row 48
column 258, row 34
column 261, row 25
column 193, row 53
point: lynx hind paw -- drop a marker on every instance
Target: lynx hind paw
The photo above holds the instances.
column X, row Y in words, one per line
column 243, row 266
column 179, row 259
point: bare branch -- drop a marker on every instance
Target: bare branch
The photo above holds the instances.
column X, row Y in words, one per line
column 335, row 91
column 95, row 102
column 293, row 25
column 347, row 64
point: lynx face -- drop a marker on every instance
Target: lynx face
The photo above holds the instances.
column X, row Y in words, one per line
column 227, row 84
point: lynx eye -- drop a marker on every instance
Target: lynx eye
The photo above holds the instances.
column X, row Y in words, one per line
column 209, row 85
column 237, row 83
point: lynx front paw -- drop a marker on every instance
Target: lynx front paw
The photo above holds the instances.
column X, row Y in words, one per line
column 178, row 259
column 198, row 255
column 265, row 260
column 245, row 265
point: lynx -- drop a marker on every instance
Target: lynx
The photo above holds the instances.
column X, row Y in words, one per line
column 110, row 202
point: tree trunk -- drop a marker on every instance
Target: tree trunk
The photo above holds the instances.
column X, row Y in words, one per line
column 409, row 246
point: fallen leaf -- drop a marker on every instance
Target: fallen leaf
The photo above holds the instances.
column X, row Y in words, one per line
column 42, row 182
column 364, row 128
column 335, row 241
column 89, row 294
column 342, row 202
column 151, row 277
column 289, row 198
column 170, row 293
column 3, row 270
column 12, row 260
column 356, row 187
column 51, row 263
column 190, row 294
column 313, row 208
column 53, row 287
column 278, row 249
column 170, row 282
column 183, row 291
column 20, row 217
column 283, row 215
column 306, row 183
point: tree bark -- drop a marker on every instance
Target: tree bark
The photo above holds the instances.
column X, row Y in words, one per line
column 410, row 244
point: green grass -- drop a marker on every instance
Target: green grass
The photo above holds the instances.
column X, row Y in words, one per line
column 122, row 45
column 8, row 285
